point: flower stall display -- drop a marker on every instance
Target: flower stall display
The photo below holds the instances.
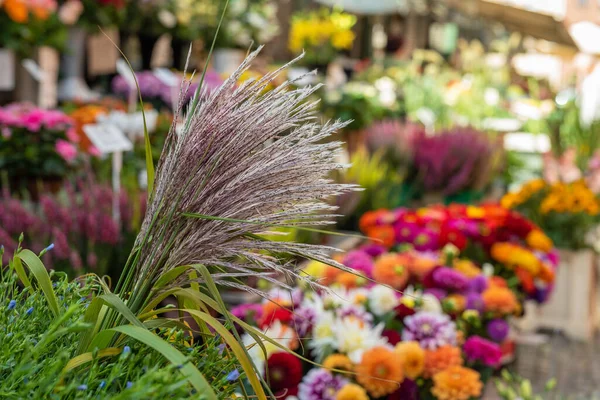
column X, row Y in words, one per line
column 568, row 212
column 36, row 145
column 28, row 24
column 322, row 34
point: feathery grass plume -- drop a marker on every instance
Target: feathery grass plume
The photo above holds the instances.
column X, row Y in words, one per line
column 249, row 160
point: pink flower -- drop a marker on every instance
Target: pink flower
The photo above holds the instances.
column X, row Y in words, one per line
column 33, row 120
column 72, row 135
column 66, row 150
column 479, row 349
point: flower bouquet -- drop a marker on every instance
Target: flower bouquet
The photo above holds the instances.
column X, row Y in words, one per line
column 322, row 34
column 36, row 144
column 27, row 24
column 567, row 212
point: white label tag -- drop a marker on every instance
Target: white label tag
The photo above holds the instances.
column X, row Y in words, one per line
column 126, row 72
column 34, row 69
column 7, row 69
column 166, row 76
column 107, row 138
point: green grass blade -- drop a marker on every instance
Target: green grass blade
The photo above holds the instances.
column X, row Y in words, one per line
column 18, row 266
column 117, row 304
column 85, row 358
column 41, row 275
column 172, row 354
column 96, row 309
column 170, row 275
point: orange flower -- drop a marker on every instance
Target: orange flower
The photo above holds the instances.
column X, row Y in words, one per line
column 440, row 359
column 501, row 251
column 516, row 256
column 467, row 268
column 538, row 240
column 330, row 274
column 457, row 383
column 41, row 13
column 338, row 361
column 412, row 357
column 379, row 372
column 350, row 280
column 17, row 10
column 546, row 273
column 497, row 281
column 458, row 301
column 352, row 391
column 499, row 300
column 526, row 280
column 391, row 269
column 421, row 266
column 368, row 220
column 384, row 235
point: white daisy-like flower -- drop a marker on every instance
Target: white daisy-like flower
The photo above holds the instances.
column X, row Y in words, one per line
column 353, row 337
column 382, row 300
column 281, row 334
column 323, row 338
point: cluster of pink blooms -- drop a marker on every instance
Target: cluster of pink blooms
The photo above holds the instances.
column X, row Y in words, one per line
column 25, row 116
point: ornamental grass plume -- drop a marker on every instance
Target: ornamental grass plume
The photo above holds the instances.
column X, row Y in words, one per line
column 246, row 161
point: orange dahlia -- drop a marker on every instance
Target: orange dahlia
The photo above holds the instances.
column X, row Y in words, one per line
column 350, row 280
column 467, row 268
column 456, row 383
column 412, row 357
column 440, row 359
column 369, row 220
column 379, row 372
column 421, row 266
column 391, row 269
column 338, row 361
column 538, row 240
column 17, row 10
column 499, row 300
column 352, row 391
column 330, row 275
column 384, row 235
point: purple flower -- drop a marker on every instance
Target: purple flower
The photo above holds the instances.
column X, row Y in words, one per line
column 450, row 279
column 359, row 261
column 374, row 249
column 467, row 226
column 248, row 312
column 408, row 391
column 498, row 329
column 430, row 329
column 440, row 294
column 406, row 232
column 352, row 310
column 303, row 320
column 475, row 302
column 320, row 384
column 542, row 294
column 478, row 284
column 479, row 349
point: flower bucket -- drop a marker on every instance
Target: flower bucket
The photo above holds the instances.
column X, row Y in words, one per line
column 572, row 305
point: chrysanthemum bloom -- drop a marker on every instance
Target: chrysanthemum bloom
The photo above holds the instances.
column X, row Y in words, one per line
column 360, row 261
column 441, row 358
column 412, row 357
column 350, row 280
column 330, row 274
column 368, row 220
column 284, row 371
column 390, row 269
column 431, row 330
column 320, row 384
column 421, row 265
column 352, row 391
column 456, row 383
column 478, row 284
column 379, row 372
column 538, row 240
column 406, row 232
column 450, row 279
column 454, row 236
column 500, row 300
column 382, row 300
column 383, row 235
column 479, row 349
column 498, row 329
column 475, row 302
column 426, row 240
column 338, row 361
column 303, row 320
column 374, row 249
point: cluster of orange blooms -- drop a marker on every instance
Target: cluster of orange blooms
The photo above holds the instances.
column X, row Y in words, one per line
column 21, row 11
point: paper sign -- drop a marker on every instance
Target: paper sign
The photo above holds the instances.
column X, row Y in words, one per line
column 33, row 68
column 126, row 72
column 102, row 54
column 502, row 124
column 524, row 142
column 7, row 69
column 167, row 77
column 107, row 138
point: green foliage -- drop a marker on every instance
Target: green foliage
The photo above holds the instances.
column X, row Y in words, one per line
column 513, row 387
column 35, row 351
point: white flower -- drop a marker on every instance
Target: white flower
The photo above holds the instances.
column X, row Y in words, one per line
column 352, row 337
column 167, row 19
column 382, row 300
column 323, row 340
column 256, row 20
column 281, row 334
column 238, row 7
column 431, row 303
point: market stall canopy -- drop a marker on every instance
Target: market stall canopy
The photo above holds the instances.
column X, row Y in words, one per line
column 366, row 7
column 538, row 25
column 587, row 36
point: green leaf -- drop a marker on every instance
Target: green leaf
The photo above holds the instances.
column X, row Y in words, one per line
column 117, row 304
column 41, row 275
column 172, row 354
column 96, row 309
column 89, row 357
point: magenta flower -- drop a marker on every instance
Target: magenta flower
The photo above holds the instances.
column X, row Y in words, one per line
column 66, row 150
column 478, row 284
column 498, row 330
column 449, row 279
column 303, row 320
column 320, row 384
column 359, row 261
column 475, row 302
column 406, row 232
column 478, row 349
column 374, row 249
column 426, row 240
column 248, row 312
column 430, row 329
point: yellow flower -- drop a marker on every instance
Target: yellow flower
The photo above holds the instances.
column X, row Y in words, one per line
column 338, row 361
column 467, row 268
column 456, row 383
column 538, row 240
column 343, row 40
column 412, row 357
column 352, row 391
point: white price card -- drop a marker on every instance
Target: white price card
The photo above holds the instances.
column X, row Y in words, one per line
column 167, row 76
column 107, row 138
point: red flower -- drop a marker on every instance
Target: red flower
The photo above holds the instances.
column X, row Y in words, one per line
column 526, row 280
column 518, row 225
column 454, row 236
column 273, row 314
column 392, row 336
column 284, row 371
column 403, row 311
